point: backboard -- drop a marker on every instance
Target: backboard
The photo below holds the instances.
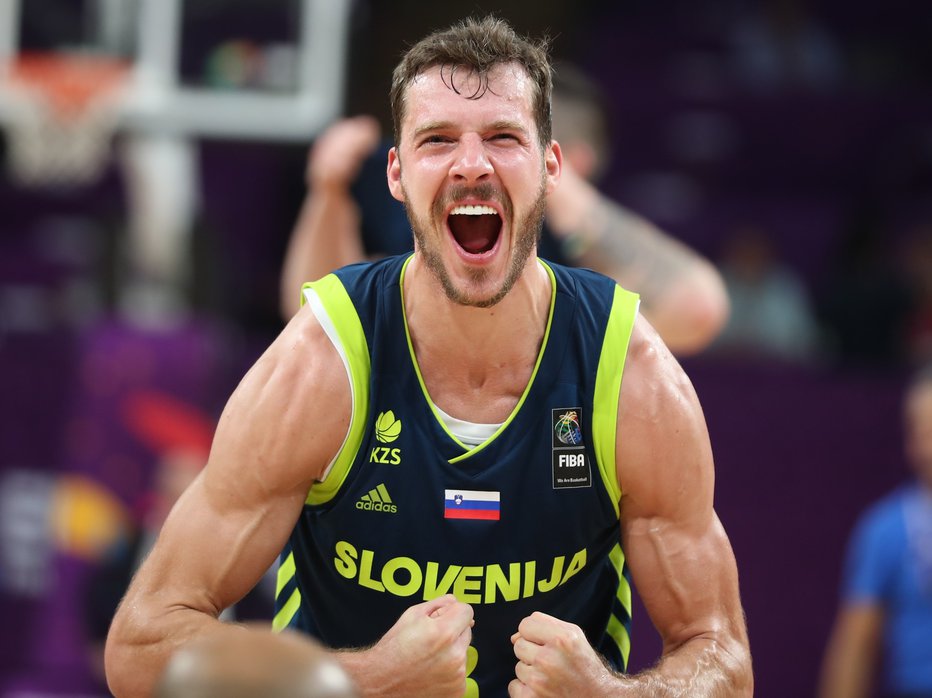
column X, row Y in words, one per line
column 241, row 69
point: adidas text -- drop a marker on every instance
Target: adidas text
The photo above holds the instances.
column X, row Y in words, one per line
column 377, row 506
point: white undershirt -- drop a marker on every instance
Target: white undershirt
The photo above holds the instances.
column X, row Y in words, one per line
column 470, row 433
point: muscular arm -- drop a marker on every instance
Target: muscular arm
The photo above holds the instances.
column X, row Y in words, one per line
column 680, row 558
column 327, row 233
column 678, row 554
column 228, row 527
column 682, row 294
column 848, row 670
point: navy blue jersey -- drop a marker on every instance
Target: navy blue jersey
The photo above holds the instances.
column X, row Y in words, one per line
column 526, row 521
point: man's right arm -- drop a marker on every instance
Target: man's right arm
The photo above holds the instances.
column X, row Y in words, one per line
column 227, row 529
column 272, row 443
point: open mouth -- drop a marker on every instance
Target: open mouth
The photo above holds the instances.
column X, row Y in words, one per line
column 475, row 228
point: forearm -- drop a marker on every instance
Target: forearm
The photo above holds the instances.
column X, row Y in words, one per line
column 140, row 645
column 365, row 672
column 700, row 668
column 326, row 237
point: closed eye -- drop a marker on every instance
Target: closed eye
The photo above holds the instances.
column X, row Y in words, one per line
column 430, row 140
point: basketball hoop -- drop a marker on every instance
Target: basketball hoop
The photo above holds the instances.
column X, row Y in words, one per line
column 64, row 110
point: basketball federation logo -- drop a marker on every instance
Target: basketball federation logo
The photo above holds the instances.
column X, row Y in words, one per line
column 387, row 428
column 566, row 429
column 571, row 468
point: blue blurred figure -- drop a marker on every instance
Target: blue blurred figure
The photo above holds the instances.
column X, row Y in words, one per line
column 884, row 626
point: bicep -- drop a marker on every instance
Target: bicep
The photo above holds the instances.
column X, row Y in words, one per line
column 679, row 555
column 272, row 443
column 215, row 545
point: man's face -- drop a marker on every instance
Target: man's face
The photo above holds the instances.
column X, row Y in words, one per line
column 919, row 430
column 473, row 178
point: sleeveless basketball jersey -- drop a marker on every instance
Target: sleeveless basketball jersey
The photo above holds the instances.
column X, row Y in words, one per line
column 526, row 521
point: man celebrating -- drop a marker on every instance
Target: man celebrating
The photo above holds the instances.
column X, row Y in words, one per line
column 444, row 448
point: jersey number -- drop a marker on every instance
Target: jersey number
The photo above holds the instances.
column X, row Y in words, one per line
column 472, row 658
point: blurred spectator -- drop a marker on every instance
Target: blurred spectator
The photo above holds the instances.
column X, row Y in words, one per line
column 884, row 625
column 771, row 313
column 348, row 213
column 781, row 46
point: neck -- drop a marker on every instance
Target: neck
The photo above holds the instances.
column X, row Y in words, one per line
column 511, row 326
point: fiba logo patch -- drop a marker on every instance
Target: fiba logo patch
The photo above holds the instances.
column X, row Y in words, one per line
column 567, row 430
column 571, row 468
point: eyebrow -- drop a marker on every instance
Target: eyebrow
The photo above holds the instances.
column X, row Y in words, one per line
column 431, row 126
column 501, row 125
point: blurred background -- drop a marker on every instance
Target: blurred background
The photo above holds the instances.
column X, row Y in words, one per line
column 144, row 216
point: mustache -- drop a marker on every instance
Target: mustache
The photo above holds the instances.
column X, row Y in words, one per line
column 462, row 192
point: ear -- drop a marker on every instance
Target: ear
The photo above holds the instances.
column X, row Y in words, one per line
column 553, row 165
column 393, row 173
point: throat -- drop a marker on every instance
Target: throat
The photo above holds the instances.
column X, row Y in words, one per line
column 475, row 234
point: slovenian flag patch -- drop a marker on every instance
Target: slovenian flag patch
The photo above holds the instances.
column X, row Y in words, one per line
column 471, row 504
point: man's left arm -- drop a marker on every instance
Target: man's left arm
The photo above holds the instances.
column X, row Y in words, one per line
column 679, row 556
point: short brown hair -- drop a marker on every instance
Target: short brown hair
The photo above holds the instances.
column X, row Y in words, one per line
column 478, row 45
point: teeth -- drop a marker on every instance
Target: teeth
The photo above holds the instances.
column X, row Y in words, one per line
column 473, row 211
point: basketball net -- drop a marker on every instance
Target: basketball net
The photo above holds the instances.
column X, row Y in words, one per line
column 65, row 109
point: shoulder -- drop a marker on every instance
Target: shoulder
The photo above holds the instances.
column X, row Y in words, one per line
column 654, row 383
column 578, row 278
column 291, row 410
column 592, row 293
column 664, row 454
column 884, row 517
column 372, row 274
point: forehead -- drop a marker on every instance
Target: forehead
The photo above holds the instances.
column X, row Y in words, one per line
column 444, row 93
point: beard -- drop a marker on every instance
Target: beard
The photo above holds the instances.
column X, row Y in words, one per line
column 526, row 232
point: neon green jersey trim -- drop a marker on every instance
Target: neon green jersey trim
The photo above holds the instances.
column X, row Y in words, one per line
column 354, row 349
column 285, row 574
column 619, row 634
column 617, row 556
column 616, row 629
column 608, row 387
column 287, row 613
column 469, row 450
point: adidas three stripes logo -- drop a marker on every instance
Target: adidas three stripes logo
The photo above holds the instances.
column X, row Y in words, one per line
column 377, row 499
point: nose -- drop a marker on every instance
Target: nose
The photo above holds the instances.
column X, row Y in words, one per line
column 471, row 162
